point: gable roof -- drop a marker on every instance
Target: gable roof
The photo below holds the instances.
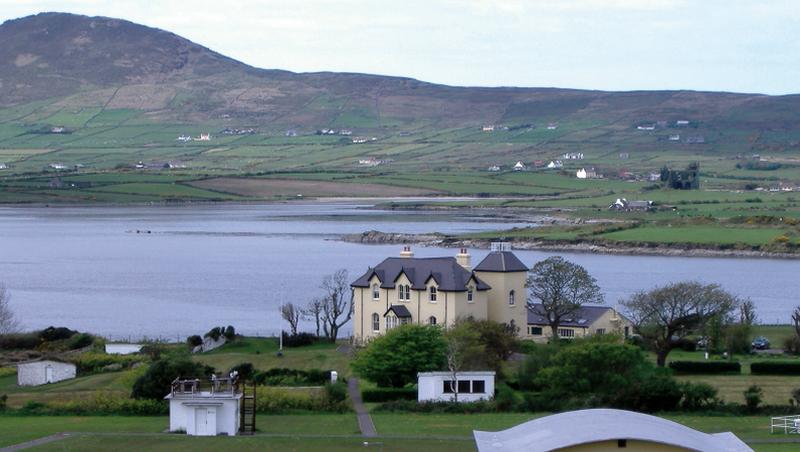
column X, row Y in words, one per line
column 448, row 274
column 501, row 261
column 399, row 310
column 583, row 317
column 559, row 431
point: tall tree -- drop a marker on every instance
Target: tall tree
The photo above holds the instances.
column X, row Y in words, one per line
column 464, row 352
column 8, row 321
column 747, row 312
column 313, row 310
column 557, row 288
column 337, row 302
column 666, row 314
column 293, row 315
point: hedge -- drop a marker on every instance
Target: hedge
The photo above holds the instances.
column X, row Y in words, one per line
column 388, row 394
column 775, row 368
column 706, row 367
column 292, row 377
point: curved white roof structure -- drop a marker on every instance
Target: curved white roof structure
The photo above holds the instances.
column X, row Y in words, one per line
column 581, row 427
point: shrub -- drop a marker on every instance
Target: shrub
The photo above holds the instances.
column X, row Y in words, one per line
column 80, row 340
column 156, row 382
column 775, row 368
column 698, row 396
column 388, row 394
column 335, row 392
column 410, row 406
column 686, row 344
column 796, row 396
column 20, row 341
column 152, row 351
column 7, row 371
column 753, row 397
column 91, row 362
column 214, row 333
column 538, row 358
column 281, row 400
column 194, row 341
column 507, row 399
column 230, row 332
column 3, row 402
column 791, row 344
column 706, row 367
column 299, row 339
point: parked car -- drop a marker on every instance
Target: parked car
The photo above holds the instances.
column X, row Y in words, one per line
column 760, row 343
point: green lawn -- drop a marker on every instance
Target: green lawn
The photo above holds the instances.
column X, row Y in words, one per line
column 695, row 234
column 17, row 429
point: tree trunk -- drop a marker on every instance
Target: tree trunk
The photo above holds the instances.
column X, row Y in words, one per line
column 317, row 318
column 661, row 357
column 554, row 328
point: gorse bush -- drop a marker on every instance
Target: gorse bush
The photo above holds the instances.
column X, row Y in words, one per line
column 194, row 340
column 698, row 396
column 282, row 400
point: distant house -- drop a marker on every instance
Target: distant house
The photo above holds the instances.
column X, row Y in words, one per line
column 646, row 127
column 495, row 168
column 586, row 321
column 175, row 164
column 467, row 386
column 3, row 166
column 57, row 166
column 555, row 164
column 140, row 165
column 519, row 166
column 552, row 126
column 682, row 122
column 488, row 128
column 184, row 138
column 36, row 373
column 57, row 129
column 123, row 349
column 687, row 179
column 290, row 133
column 624, row 155
column 359, row 140
column 583, row 173
column 604, row 429
column 345, row 132
column 654, row 177
column 370, row 161
column 695, row 139
column 573, row 156
column 622, row 204
column 203, row 137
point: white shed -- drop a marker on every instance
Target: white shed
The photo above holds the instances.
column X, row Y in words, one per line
column 35, row 373
column 123, row 349
column 204, row 413
column 440, row 386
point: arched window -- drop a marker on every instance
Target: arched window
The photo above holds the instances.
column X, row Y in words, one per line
column 432, row 320
column 470, row 294
column 376, row 292
column 432, row 294
column 376, row 322
column 511, row 298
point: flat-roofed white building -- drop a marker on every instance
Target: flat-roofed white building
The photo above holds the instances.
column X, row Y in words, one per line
column 200, row 412
column 465, row 387
column 35, row 373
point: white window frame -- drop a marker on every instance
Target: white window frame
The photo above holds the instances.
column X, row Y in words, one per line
column 376, row 322
column 408, row 292
column 600, row 331
column 391, row 322
column 433, row 294
column 566, row 333
column 512, row 298
column 470, row 294
column 376, row 292
column 401, row 292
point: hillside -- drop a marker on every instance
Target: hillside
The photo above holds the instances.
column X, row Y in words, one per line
column 102, row 62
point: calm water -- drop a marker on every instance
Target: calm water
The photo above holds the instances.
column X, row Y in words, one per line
column 87, row 269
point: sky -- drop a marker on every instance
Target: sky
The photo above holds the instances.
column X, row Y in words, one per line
column 715, row 45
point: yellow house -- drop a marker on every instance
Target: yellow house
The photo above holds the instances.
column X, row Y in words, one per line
column 438, row 290
column 606, row 430
column 586, row 321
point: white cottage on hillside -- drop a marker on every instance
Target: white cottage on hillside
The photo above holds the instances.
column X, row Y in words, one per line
column 35, row 373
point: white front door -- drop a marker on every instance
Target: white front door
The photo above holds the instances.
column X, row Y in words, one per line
column 48, row 374
column 205, row 421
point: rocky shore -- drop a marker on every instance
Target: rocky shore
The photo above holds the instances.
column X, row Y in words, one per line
column 442, row 240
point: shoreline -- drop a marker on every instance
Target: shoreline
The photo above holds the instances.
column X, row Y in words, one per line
column 445, row 241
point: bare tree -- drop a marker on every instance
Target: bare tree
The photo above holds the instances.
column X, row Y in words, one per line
column 337, row 303
column 313, row 310
column 557, row 288
column 464, row 351
column 293, row 315
column 8, row 321
column 666, row 314
column 747, row 312
column 796, row 321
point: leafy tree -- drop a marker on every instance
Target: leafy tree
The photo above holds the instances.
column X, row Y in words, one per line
column 393, row 360
column 337, row 303
column 292, row 315
column 464, row 352
column 8, row 320
column 667, row 314
column 753, row 396
column 194, row 340
column 156, row 382
column 560, row 287
column 497, row 340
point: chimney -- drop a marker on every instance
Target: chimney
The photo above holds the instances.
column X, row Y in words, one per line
column 464, row 259
column 406, row 252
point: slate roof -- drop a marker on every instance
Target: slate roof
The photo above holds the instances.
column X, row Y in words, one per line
column 583, row 318
column 399, row 310
column 574, row 428
column 448, row 274
column 501, row 261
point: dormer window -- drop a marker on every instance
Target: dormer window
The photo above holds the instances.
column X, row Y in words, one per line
column 512, row 298
column 470, row 294
column 432, row 294
column 404, row 292
column 376, row 292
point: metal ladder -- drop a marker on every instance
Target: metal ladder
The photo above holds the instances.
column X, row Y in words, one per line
column 247, row 425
